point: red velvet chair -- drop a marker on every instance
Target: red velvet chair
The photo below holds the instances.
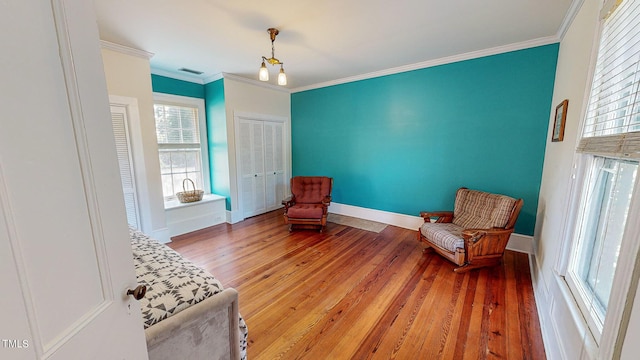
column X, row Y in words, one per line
column 309, row 201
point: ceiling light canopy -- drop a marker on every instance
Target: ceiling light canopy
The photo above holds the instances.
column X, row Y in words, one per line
column 263, row 74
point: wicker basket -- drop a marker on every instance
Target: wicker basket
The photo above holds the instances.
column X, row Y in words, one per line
column 188, row 196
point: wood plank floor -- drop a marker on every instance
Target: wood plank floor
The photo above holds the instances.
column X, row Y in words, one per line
column 353, row 294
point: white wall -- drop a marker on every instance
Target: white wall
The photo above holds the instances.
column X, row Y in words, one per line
column 564, row 330
column 242, row 96
column 130, row 76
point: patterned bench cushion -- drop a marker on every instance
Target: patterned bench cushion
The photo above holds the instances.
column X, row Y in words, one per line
column 445, row 235
column 173, row 283
column 480, row 210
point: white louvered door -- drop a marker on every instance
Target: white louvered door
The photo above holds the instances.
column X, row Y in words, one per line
column 120, row 122
column 261, row 165
column 274, row 164
column 252, row 168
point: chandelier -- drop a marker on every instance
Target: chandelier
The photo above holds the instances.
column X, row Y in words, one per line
column 263, row 75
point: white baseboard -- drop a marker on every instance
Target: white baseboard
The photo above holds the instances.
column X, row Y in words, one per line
column 517, row 242
column 234, row 217
column 162, row 235
column 395, row 219
column 194, row 223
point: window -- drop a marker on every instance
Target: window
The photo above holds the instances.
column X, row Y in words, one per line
column 601, row 228
column 608, row 158
column 181, row 134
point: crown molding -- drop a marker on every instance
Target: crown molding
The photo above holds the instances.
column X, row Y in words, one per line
column 212, row 78
column 255, row 82
column 126, row 50
column 431, row 63
column 177, row 76
column 571, row 14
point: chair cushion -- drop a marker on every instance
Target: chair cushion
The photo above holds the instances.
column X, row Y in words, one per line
column 480, row 210
column 310, row 189
column 305, row 211
column 445, row 235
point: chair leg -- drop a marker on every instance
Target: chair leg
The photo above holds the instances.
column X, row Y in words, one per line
column 427, row 249
column 468, row 267
column 290, row 227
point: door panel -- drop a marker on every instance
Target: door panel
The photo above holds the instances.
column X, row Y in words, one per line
column 60, row 195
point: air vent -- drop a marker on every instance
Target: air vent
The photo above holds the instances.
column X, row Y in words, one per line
column 195, row 72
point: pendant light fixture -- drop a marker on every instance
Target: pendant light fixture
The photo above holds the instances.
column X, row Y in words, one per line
column 263, row 74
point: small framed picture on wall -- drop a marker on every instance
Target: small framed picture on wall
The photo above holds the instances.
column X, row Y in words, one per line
column 558, row 124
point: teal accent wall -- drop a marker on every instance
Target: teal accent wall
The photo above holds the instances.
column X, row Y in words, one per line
column 217, row 137
column 167, row 85
column 405, row 142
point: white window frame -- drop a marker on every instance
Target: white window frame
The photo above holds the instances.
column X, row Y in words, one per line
column 608, row 341
column 177, row 100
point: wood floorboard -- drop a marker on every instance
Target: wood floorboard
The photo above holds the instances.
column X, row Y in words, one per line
column 348, row 293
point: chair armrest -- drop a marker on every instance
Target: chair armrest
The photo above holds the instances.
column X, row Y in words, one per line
column 290, row 201
column 475, row 235
column 443, row 216
column 326, row 201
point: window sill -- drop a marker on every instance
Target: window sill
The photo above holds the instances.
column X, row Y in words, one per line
column 175, row 204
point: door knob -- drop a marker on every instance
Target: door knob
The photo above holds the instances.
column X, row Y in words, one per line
column 138, row 292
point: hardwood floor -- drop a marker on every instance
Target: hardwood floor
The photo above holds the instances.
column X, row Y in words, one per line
column 353, row 294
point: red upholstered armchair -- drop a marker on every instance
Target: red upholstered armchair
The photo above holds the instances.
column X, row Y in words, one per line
column 309, row 202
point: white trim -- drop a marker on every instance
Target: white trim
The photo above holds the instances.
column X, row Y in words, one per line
column 178, row 76
column 517, row 242
column 571, row 14
column 175, row 204
column 162, row 235
column 552, row 326
column 126, row 50
column 258, row 117
column 386, row 217
column 212, row 78
column 623, row 291
column 436, row 62
column 234, row 216
column 253, row 82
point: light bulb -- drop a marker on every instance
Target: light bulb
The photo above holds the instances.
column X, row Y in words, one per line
column 282, row 77
column 263, row 75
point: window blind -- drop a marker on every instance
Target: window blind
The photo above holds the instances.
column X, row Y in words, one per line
column 612, row 126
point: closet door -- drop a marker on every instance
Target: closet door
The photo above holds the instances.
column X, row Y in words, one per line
column 119, row 120
column 274, row 164
column 252, row 167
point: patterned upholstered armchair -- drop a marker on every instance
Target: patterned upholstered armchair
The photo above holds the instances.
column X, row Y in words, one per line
column 309, row 201
column 475, row 233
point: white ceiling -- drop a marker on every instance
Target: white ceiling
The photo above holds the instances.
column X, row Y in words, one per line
column 323, row 41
